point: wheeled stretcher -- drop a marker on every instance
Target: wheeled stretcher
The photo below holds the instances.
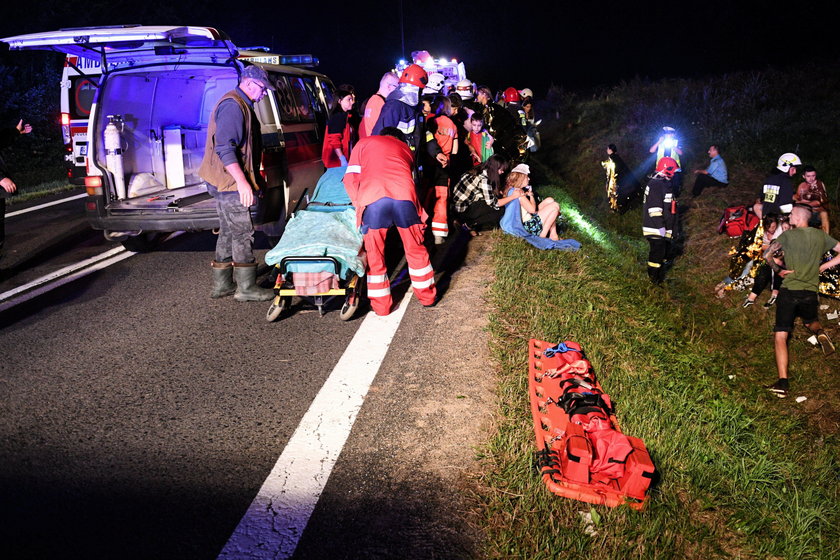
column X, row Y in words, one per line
column 321, row 253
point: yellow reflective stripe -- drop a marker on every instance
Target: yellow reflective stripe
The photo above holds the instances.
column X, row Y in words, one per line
column 650, row 231
column 655, row 211
column 654, row 265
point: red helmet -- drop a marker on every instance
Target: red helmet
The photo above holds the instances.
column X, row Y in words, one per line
column 511, row 95
column 414, row 75
column 667, row 166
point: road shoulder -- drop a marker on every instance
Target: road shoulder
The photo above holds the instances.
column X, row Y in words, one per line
column 403, row 485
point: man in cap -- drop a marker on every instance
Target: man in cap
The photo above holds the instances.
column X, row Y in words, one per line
column 231, row 168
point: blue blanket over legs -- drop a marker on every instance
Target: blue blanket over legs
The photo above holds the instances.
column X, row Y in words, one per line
column 512, row 223
column 323, row 230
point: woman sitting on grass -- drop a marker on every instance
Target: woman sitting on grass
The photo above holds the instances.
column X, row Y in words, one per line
column 479, row 194
column 538, row 218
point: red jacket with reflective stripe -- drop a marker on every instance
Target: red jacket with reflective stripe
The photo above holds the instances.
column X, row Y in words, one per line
column 380, row 167
column 337, row 135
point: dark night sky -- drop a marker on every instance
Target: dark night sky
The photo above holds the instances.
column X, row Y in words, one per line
column 573, row 44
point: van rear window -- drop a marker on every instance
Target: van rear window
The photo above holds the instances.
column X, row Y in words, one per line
column 82, row 90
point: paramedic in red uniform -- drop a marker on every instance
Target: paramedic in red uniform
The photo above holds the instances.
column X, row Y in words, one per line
column 373, row 106
column 338, row 136
column 442, row 142
column 381, row 186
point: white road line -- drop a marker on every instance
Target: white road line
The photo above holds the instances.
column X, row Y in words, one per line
column 63, row 276
column 45, row 205
column 274, row 523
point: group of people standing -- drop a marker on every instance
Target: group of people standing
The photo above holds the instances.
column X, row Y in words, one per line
column 450, row 134
column 790, row 253
column 414, row 153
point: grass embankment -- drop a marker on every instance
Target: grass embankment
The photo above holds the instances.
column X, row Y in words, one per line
column 743, row 474
column 40, row 190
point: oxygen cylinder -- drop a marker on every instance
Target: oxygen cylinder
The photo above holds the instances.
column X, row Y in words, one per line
column 113, row 153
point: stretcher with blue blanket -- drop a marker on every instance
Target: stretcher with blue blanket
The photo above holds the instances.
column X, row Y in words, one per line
column 320, row 255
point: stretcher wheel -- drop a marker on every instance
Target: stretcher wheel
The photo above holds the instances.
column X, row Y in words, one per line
column 276, row 309
column 351, row 302
column 348, row 310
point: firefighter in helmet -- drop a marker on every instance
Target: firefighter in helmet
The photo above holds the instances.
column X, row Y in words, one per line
column 659, row 217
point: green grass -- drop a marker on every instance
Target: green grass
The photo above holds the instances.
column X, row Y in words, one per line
column 743, row 474
column 40, row 190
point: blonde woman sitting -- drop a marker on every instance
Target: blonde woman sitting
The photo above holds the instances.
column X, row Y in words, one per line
column 538, row 218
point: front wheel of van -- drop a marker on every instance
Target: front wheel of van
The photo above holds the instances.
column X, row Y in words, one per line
column 143, row 243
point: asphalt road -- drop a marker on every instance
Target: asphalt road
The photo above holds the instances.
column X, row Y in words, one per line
column 139, row 418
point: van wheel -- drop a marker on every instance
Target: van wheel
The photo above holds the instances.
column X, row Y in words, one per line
column 276, row 309
column 143, row 243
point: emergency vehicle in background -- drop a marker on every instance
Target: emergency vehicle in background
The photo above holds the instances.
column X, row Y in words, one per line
column 148, row 120
column 79, row 81
column 452, row 70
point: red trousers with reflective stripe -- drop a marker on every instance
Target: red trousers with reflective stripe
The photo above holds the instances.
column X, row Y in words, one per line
column 419, row 268
column 440, row 224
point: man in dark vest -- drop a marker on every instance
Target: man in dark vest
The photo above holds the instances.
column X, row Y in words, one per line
column 231, row 168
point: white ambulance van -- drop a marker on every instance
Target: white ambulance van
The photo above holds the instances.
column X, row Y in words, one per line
column 79, row 81
column 148, row 126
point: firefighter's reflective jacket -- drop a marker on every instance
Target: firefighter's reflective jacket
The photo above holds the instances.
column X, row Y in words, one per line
column 659, row 213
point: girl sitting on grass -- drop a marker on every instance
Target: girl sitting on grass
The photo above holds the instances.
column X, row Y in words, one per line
column 538, row 218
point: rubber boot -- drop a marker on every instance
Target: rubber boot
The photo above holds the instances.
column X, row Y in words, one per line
column 245, row 275
column 222, row 279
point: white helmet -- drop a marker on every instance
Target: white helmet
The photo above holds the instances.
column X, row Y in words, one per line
column 526, row 92
column 788, row 160
column 465, row 89
column 435, row 83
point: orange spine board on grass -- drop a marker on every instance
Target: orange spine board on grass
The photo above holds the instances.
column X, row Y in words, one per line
column 564, row 448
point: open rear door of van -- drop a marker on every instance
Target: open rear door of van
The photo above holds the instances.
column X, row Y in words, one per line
column 118, row 46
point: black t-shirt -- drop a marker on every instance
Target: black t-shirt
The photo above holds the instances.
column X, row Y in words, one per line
column 776, row 192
